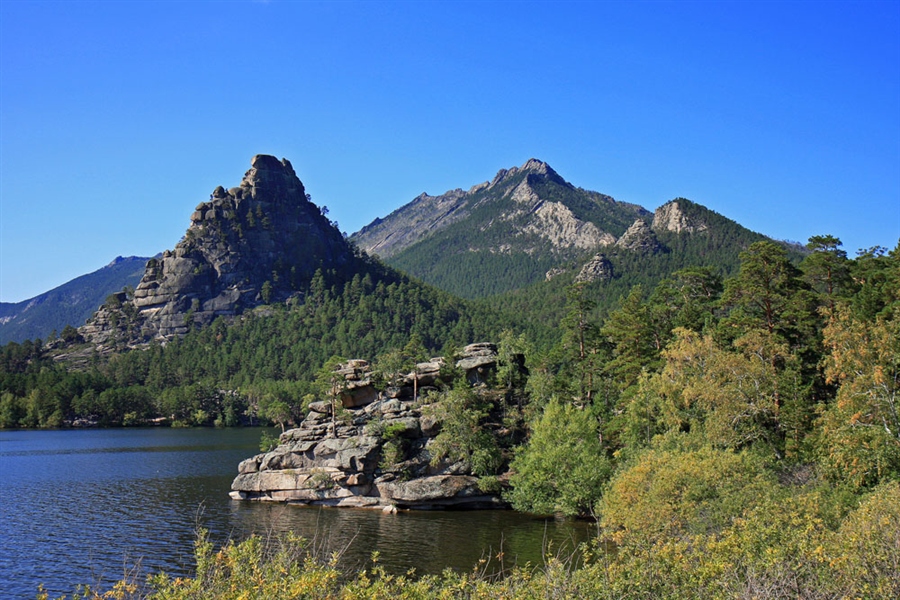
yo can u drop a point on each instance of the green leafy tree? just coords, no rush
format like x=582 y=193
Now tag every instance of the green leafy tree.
x=562 y=468
x=768 y=293
x=636 y=343
x=671 y=492
x=465 y=436
x=687 y=299
x=769 y=296
x=581 y=343
x=877 y=273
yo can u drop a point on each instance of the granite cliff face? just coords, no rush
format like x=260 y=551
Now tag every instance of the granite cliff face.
x=255 y=243
x=671 y=217
x=371 y=449
x=639 y=238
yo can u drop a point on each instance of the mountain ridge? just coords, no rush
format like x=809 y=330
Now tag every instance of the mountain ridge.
x=553 y=220
x=70 y=303
x=527 y=224
x=530 y=225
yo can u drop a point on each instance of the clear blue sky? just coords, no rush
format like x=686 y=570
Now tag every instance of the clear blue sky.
x=117 y=118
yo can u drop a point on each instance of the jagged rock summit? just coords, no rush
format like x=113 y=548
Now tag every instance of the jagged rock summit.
x=500 y=235
x=672 y=217
x=259 y=242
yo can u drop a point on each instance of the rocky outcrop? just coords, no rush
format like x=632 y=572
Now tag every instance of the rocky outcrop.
x=256 y=243
x=671 y=217
x=373 y=450
x=639 y=238
x=597 y=269
x=556 y=223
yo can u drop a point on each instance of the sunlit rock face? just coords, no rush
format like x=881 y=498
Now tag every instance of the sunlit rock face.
x=531 y=215
x=671 y=217
x=639 y=238
x=256 y=243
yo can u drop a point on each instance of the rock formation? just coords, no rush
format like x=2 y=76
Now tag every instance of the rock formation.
x=342 y=457
x=256 y=243
x=597 y=269
x=540 y=204
x=639 y=238
x=671 y=217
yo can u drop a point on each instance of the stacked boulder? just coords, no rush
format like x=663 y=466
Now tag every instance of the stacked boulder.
x=339 y=455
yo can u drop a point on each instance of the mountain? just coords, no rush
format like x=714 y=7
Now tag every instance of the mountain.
x=253 y=244
x=69 y=304
x=529 y=224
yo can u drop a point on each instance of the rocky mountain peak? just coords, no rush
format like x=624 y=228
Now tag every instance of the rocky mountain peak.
x=259 y=242
x=537 y=166
x=639 y=237
x=532 y=166
x=671 y=217
x=272 y=179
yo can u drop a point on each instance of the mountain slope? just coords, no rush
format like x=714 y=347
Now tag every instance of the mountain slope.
x=498 y=235
x=69 y=304
x=253 y=244
x=682 y=234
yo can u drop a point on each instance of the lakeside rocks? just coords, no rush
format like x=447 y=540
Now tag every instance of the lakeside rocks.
x=373 y=451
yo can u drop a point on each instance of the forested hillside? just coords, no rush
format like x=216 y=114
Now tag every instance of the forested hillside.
x=212 y=373
x=716 y=247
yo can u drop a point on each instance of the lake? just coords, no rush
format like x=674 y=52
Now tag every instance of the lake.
x=87 y=506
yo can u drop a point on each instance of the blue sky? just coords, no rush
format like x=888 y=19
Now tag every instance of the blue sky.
x=117 y=118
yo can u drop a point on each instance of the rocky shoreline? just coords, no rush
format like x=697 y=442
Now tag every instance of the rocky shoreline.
x=371 y=449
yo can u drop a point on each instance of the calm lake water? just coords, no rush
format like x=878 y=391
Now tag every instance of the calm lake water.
x=84 y=506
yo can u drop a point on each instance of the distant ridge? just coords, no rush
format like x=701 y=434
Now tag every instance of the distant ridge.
x=69 y=304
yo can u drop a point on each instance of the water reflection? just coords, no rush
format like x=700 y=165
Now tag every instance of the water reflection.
x=85 y=506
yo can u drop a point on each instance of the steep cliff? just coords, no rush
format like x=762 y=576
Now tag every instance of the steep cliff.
x=256 y=243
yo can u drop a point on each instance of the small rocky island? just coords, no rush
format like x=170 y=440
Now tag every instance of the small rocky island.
x=374 y=449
